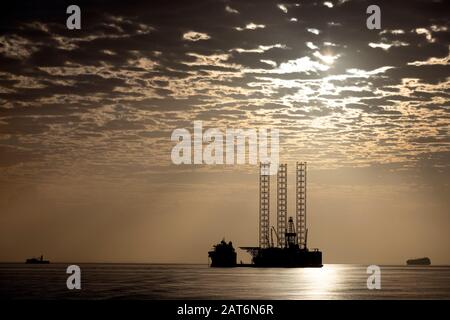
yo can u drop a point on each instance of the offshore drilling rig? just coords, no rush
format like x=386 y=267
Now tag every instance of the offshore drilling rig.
x=285 y=246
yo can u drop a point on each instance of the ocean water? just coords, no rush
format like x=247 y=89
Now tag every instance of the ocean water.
x=176 y=281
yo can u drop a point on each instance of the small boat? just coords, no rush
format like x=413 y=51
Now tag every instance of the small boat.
x=37 y=261
x=419 y=262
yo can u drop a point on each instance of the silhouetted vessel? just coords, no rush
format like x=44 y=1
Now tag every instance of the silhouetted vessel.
x=419 y=262
x=37 y=261
x=223 y=255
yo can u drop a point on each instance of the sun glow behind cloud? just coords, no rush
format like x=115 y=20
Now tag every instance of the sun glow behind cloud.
x=302 y=65
x=327 y=58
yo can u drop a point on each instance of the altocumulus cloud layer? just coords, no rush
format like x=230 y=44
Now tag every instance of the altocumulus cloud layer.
x=102 y=101
x=131 y=75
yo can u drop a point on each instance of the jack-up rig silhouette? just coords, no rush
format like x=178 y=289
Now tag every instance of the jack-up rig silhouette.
x=290 y=248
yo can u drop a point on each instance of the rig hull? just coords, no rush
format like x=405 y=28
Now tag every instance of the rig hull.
x=287 y=258
x=292 y=257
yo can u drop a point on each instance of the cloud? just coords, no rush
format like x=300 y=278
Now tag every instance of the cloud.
x=195 y=36
x=329 y=59
x=269 y=62
x=395 y=31
x=364 y=73
x=432 y=61
x=17 y=47
x=251 y=26
x=313 y=30
x=311 y=45
x=387 y=46
x=427 y=34
x=231 y=10
x=302 y=65
x=436 y=28
x=260 y=48
x=283 y=8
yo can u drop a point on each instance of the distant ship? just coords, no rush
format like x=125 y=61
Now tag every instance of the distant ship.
x=419 y=262
x=37 y=261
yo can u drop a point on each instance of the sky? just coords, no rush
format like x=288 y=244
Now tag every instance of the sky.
x=86 y=118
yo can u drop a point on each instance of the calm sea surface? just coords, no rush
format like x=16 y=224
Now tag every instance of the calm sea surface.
x=157 y=281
